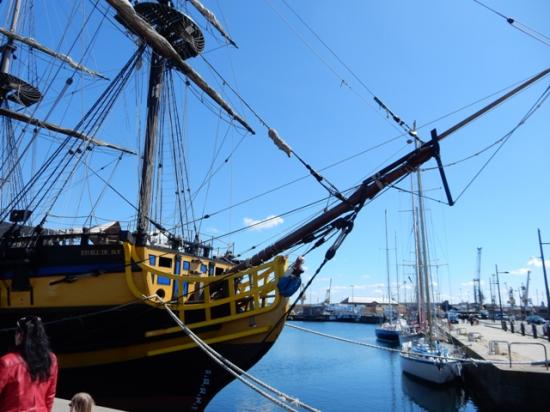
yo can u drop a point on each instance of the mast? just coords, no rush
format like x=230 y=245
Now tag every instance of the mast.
x=173 y=38
x=388 y=266
x=8 y=48
x=418 y=262
x=156 y=76
x=396 y=270
x=425 y=271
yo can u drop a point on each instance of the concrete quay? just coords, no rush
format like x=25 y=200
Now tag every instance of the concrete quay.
x=526 y=383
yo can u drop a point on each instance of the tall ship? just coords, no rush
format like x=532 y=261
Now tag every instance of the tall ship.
x=106 y=278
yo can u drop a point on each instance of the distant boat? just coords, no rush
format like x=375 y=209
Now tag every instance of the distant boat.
x=391 y=332
x=426 y=358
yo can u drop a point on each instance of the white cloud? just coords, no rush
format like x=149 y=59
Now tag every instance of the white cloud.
x=532 y=264
x=537 y=262
x=267 y=223
x=376 y=285
x=519 y=272
x=337 y=287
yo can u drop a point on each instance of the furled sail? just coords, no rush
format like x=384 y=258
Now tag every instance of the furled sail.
x=69 y=132
x=280 y=143
x=161 y=46
x=208 y=15
x=60 y=56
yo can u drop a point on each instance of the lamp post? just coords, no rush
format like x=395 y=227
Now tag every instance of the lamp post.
x=498 y=286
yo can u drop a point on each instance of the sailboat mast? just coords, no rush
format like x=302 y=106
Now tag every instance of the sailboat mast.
x=156 y=76
x=424 y=252
x=418 y=261
x=388 y=265
x=8 y=48
x=396 y=269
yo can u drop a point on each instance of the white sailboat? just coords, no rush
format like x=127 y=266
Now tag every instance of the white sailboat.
x=426 y=358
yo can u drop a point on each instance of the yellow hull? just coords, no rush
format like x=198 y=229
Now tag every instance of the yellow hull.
x=114 y=322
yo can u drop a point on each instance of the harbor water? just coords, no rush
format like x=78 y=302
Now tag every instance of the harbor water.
x=331 y=375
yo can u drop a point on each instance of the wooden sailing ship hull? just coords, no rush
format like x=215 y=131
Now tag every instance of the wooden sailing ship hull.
x=126 y=350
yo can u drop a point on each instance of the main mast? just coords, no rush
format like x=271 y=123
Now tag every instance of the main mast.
x=173 y=37
x=186 y=38
x=156 y=76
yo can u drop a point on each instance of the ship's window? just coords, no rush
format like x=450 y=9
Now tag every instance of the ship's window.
x=162 y=280
x=210 y=268
x=203 y=268
x=152 y=260
x=177 y=267
x=165 y=262
x=219 y=271
x=186 y=265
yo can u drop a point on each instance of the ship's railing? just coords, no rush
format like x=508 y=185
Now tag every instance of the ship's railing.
x=203 y=300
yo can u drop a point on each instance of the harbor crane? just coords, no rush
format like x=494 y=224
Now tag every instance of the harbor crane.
x=478 y=295
x=327 y=294
x=525 y=293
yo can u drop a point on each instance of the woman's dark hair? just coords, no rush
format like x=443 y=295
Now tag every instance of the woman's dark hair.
x=35 y=347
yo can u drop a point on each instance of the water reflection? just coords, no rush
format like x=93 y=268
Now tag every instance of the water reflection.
x=336 y=376
x=448 y=398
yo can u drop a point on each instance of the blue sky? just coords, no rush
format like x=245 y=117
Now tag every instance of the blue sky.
x=425 y=60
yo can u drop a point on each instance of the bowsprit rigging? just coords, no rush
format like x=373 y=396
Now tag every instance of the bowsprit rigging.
x=88 y=283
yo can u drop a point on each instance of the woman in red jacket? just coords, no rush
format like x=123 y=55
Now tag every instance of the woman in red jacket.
x=28 y=375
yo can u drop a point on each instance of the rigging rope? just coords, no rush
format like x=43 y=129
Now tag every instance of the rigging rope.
x=519 y=26
x=237 y=372
x=345 y=225
x=503 y=140
x=331 y=188
x=401 y=351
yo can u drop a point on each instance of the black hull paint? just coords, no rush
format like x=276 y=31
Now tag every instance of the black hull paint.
x=179 y=381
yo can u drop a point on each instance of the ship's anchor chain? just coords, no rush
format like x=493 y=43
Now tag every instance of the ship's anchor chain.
x=283 y=400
